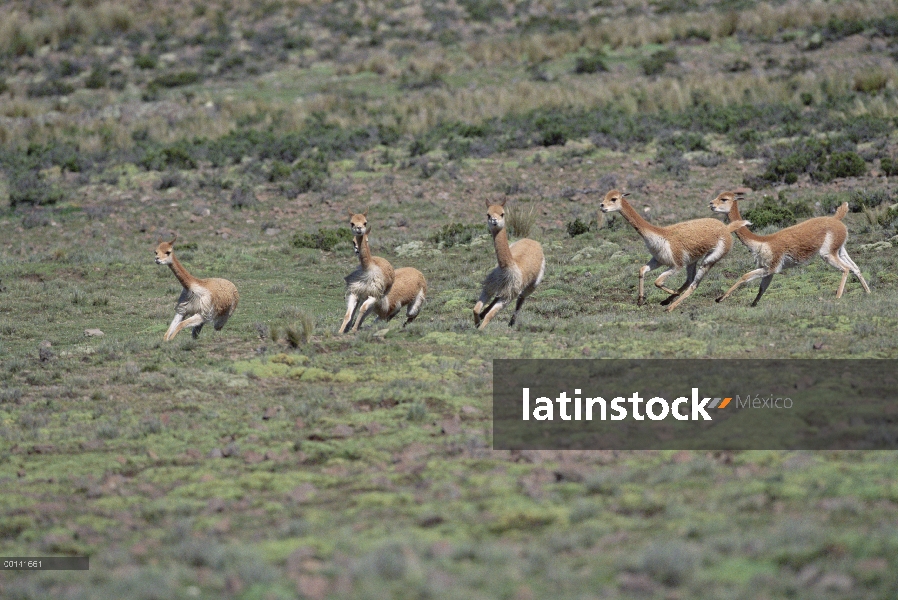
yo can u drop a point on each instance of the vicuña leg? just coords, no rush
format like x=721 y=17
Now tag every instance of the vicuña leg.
x=170 y=333
x=494 y=307
x=364 y=309
x=744 y=279
x=519 y=304
x=351 y=301
x=700 y=273
x=765 y=282
x=650 y=266
x=192 y=321
x=659 y=283
x=479 y=307
x=833 y=260
x=413 y=309
x=843 y=254
x=197 y=329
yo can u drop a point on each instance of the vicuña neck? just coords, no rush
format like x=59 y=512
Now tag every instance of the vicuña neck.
x=635 y=219
x=503 y=251
x=743 y=233
x=181 y=273
x=364 y=250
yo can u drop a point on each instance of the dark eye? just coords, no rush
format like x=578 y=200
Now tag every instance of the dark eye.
x=168 y=252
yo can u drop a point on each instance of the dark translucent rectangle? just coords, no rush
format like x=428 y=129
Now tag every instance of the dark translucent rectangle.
x=45 y=563
x=774 y=404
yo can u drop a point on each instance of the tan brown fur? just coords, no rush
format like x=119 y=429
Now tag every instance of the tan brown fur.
x=521 y=268
x=791 y=246
x=371 y=280
x=696 y=245
x=409 y=290
x=202 y=301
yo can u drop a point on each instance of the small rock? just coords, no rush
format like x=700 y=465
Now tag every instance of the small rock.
x=818 y=346
x=303 y=492
x=253 y=458
x=343 y=431
x=836 y=582
x=271 y=412
x=216 y=453
x=45 y=354
x=93 y=333
x=231 y=449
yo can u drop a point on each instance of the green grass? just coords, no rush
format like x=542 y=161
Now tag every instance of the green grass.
x=276 y=458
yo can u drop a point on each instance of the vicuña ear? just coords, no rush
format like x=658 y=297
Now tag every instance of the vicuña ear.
x=350 y=213
x=173 y=240
x=365 y=214
x=504 y=200
x=487 y=202
x=625 y=194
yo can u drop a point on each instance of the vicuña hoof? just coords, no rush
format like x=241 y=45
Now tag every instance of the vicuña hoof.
x=669 y=299
x=640 y=301
x=718 y=298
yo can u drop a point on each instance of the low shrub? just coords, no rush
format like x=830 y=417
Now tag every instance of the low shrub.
x=323 y=239
x=457 y=233
x=658 y=61
x=594 y=63
x=176 y=79
x=779 y=212
x=845 y=164
x=577 y=227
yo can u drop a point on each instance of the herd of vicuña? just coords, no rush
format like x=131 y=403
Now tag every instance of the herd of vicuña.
x=696 y=245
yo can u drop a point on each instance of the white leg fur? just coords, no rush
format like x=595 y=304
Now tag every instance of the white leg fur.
x=171 y=328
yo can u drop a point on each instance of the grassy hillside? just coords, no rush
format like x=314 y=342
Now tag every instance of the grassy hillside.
x=277 y=458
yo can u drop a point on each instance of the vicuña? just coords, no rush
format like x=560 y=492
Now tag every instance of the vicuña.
x=202 y=301
x=521 y=268
x=791 y=246
x=697 y=245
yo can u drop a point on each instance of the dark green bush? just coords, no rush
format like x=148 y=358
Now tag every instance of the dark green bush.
x=861 y=199
x=658 y=61
x=889 y=166
x=577 y=227
x=177 y=156
x=177 y=79
x=323 y=239
x=594 y=63
x=457 y=233
x=845 y=164
x=50 y=87
x=146 y=61
x=30 y=188
x=97 y=78
x=779 y=212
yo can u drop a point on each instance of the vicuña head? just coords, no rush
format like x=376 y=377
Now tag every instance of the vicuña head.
x=358 y=223
x=202 y=301
x=521 y=268
x=164 y=252
x=613 y=201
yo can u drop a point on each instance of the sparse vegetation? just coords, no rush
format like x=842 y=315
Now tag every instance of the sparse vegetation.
x=264 y=460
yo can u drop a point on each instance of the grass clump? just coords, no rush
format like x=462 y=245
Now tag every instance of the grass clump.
x=520 y=219
x=300 y=333
x=323 y=239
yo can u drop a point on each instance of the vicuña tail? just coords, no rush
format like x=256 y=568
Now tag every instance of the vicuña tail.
x=737 y=225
